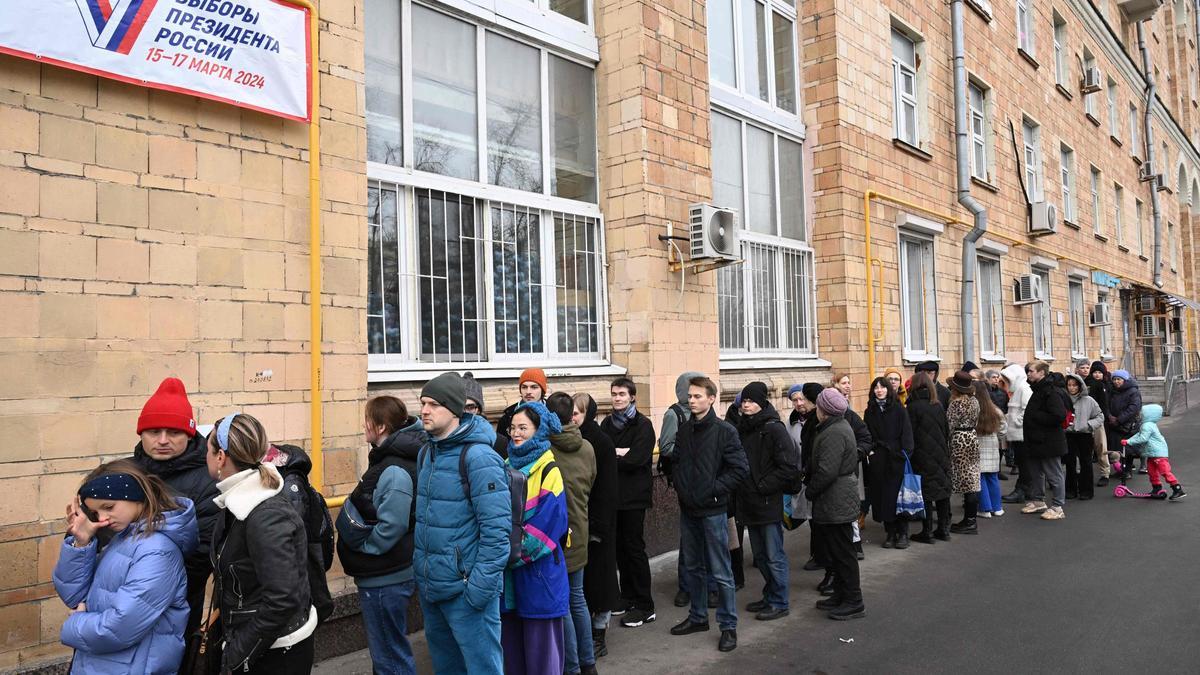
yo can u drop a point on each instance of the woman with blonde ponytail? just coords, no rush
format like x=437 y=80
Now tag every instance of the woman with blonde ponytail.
x=259 y=557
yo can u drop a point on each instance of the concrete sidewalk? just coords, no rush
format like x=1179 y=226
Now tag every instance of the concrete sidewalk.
x=1111 y=588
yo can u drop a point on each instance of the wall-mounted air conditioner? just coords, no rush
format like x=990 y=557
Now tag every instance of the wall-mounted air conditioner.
x=1148 y=327
x=1100 y=315
x=1043 y=218
x=1090 y=83
x=713 y=233
x=1027 y=290
x=1145 y=172
x=1147 y=303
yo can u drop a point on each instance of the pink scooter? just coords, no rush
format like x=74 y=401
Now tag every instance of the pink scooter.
x=1125 y=491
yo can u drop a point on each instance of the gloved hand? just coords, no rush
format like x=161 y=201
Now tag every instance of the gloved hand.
x=1124 y=441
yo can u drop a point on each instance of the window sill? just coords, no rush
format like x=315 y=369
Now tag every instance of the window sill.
x=761 y=362
x=1116 y=140
x=985 y=185
x=1143 y=257
x=1108 y=358
x=1100 y=236
x=1065 y=92
x=993 y=358
x=1092 y=118
x=984 y=12
x=1123 y=247
x=1029 y=57
x=1076 y=356
x=913 y=358
x=1070 y=224
x=912 y=149
x=420 y=372
x=1042 y=356
x=1135 y=159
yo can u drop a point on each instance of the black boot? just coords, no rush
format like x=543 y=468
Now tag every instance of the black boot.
x=1177 y=492
x=943 y=520
x=890 y=540
x=901 y=534
x=826 y=585
x=969 y=524
x=858 y=552
x=598 y=644
x=925 y=536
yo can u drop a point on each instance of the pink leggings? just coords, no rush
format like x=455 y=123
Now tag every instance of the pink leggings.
x=1159 y=468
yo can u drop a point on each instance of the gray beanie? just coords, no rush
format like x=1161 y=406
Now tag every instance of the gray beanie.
x=449 y=390
x=474 y=390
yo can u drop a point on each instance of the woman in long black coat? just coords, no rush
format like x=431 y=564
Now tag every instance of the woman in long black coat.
x=931 y=456
x=600 y=587
x=891 y=438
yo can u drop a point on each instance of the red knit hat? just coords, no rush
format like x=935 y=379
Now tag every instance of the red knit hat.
x=536 y=376
x=168 y=408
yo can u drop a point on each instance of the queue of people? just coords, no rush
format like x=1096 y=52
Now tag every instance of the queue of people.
x=521 y=543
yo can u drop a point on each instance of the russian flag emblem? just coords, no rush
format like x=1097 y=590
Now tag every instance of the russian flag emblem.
x=114 y=25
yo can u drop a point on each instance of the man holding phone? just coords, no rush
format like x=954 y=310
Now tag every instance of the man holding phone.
x=632 y=435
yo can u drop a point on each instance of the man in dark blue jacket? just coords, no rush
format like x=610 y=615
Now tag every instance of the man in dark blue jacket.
x=709 y=463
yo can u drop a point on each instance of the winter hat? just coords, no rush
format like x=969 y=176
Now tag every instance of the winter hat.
x=962 y=382
x=969 y=366
x=449 y=390
x=168 y=408
x=474 y=390
x=927 y=366
x=831 y=402
x=1098 y=366
x=812 y=390
x=757 y=392
x=534 y=375
x=793 y=389
x=1123 y=374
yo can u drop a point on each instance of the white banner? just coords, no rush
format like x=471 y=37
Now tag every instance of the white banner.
x=250 y=53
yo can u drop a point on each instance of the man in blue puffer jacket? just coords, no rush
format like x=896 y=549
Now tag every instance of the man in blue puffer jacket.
x=461 y=546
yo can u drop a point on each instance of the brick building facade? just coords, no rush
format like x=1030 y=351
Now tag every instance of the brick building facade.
x=496 y=177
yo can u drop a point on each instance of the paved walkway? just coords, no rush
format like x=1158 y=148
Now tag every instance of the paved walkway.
x=1112 y=588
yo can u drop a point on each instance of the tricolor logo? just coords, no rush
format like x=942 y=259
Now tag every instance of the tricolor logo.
x=114 y=24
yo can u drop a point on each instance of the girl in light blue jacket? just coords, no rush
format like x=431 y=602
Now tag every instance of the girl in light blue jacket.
x=1153 y=446
x=130 y=594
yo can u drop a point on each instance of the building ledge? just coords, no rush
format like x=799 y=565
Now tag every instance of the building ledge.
x=1092 y=118
x=985 y=185
x=1123 y=247
x=1143 y=257
x=912 y=149
x=1029 y=58
x=982 y=8
x=420 y=372
x=772 y=363
x=1116 y=140
x=1065 y=92
x=1071 y=224
x=1099 y=236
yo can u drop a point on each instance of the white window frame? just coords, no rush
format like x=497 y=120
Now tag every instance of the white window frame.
x=1102 y=295
x=1024 y=18
x=739 y=99
x=980 y=128
x=996 y=309
x=781 y=245
x=1042 y=320
x=1172 y=244
x=1097 y=181
x=1089 y=100
x=1134 y=148
x=1077 y=311
x=1118 y=220
x=899 y=97
x=1139 y=213
x=1114 y=116
x=930 y=318
x=1066 y=158
x=407 y=364
x=1062 y=69
x=1032 y=159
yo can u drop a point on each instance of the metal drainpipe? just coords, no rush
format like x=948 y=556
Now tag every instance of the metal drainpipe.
x=1148 y=73
x=962 y=146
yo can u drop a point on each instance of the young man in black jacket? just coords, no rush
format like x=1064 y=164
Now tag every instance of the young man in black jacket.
x=632 y=435
x=709 y=465
x=1045 y=443
x=773 y=464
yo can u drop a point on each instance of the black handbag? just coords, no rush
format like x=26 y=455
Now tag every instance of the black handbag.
x=202 y=655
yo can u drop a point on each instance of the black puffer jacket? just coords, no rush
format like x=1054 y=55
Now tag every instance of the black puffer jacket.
x=1125 y=404
x=931 y=446
x=187 y=476
x=1044 y=417
x=600 y=586
x=709 y=465
x=261 y=580
x=773 y=463
x=999 y=398
x=634 y=477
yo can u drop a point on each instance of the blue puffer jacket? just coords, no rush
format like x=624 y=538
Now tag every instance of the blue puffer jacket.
x=460 y=546
x=136 y=595
x=1149 y=438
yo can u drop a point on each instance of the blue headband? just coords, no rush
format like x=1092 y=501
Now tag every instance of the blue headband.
x=113 y=486
x=223 y=432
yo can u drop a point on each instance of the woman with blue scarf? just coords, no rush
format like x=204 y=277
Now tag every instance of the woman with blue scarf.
x=535 y=586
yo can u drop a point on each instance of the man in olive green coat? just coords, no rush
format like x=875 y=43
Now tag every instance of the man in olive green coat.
x=576 y=461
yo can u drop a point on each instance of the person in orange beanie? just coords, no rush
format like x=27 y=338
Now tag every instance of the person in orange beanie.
x=532 y=387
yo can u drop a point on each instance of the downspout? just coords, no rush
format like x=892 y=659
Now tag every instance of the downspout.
x=1148 y=73
x=962 y=146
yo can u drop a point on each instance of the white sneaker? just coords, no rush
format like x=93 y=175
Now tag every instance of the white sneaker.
x=1034 y=507
x=998 y=513
x=1054 y=513
x=985 y=514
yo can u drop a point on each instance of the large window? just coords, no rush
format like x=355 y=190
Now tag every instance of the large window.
x=980 y=100
x=918 y=297
x=1062 y=69
x=752 y=50
x=991 y=309
x=1114 y=117
x=1089 y=100
x=485 y=244
x=766 y=303
x=904 y=85
x=1134 y=143
x=1097 y=205
x=1032 y=135
x=1067 y=175
x=1118 y=207
x=1025 y=26
x=1043 y=327
x=1138 y=222
x=1078 y=318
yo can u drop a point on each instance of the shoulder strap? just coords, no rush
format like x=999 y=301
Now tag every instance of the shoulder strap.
x=464 y=474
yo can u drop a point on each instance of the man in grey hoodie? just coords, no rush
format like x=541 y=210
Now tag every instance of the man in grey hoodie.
x=673 y=418
x=1080 y=436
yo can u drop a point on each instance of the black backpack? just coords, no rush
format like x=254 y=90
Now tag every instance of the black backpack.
x=318 y=525
x=797 y=482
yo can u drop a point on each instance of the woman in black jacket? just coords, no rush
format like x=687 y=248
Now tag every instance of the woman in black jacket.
x=931 y=456
x=260 y=556
x=1099 y=387
x=1121 y=421
x=892 y=438
x=600 y=587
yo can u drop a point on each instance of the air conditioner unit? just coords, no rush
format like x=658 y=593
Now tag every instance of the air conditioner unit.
x=1147 y=303
x=1027 y=290
x=1139 y=10
x=1100 y=315
x=1145 y=172
x=713 y=232
x=1148 y=328
x=1090 y=83
x=1043 y=218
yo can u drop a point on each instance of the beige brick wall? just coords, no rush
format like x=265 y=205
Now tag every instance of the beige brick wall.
x=146 y=234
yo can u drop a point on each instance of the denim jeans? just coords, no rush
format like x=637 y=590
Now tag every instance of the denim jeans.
x=771 y=561
x=707 y=538
x=385 y=616
x=458 y=635
x=577 y=628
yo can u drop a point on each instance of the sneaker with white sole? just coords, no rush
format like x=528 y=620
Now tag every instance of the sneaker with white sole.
x=985 y=514
x=637 y=617
x=1034 y=507
x=998 y=513
x=1054 y=513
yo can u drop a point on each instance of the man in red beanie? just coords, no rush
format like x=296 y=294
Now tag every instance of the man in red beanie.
x=532 y=386
x=172 y=449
